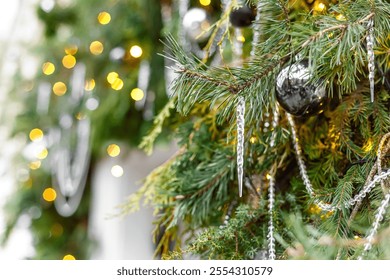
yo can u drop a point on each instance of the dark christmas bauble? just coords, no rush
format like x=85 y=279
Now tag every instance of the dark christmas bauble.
x=294 y=92
x=242 y=17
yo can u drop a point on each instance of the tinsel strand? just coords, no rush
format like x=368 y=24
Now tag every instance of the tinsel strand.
x=374 y=229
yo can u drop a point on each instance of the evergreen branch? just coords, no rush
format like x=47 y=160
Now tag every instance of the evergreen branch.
x=148 y=140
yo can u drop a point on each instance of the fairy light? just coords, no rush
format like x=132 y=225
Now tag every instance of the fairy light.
x=89 y=85
x=69 y=257
x=59 y=88
x=57 y=230
x=112 y=76
x=104 y=18
x=241 y=38
x=137 y=94
x=205 y=2
x=319 y=7
x=341 y=17
x=42 y=153
x=71 y=50
x=117 y=171
x=136 y=51
x=36 y=135
x=117 y=84
x=49 y=194
x=113 y=150
x=34 y=165
x=48 y=68
x=69 y=61
x=96 y=47
x=253 y=139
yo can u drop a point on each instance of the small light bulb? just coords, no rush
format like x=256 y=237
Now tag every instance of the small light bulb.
x=135 y=51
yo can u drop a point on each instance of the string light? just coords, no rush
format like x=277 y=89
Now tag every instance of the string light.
x=104 y=18
x=59 y=88
x=113 y=150
x=48 y=68
x=71 y=50
x=69 y=61
x=49 y=194
x=69 y=257
x=117 y=84
x=205 y=2
x=112 y=76
x=137 y=94
x=341 y=17
x=57 y=230
x=319 y=7
x=135 y=51
x=36 y=135
x=42 y=153
x=241 y=38
x=96 y=47
x=89 y=85
x=117 y=171
x=34 y=165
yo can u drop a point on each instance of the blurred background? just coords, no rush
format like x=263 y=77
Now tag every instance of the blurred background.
x=80 y=84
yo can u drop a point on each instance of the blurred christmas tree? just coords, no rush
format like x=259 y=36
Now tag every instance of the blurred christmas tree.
x=314 y=172
x=96 y=91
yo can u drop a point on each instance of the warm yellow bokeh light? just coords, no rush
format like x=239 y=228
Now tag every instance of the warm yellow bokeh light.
x=117 y=171
x=253 y=139
x=113 y=150
x=137 y=94
x=241 y=39
x=205 y=2
x=36 y=135
x=135 y=51
x=48 y=68
x=69 y=61
x=96 y=47
x=59 y=88
x=49 y=194
x=69 y=257
x=42 y=154
x=34 y=165
x=71 y=50
x=89 y=85
x=57 y=230
x=117 y=84
x=341 y=17
x=104 y=18
x=319 y=7
x=112 y=76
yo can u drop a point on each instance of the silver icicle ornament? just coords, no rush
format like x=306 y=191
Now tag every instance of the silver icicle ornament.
x=296 y=94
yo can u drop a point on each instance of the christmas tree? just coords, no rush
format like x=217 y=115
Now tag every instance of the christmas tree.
x=282 y=119
x=280 y=110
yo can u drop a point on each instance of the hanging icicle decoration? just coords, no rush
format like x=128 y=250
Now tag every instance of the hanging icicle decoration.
x=370 y=56
x=271 y=192
x=240 y=141
x=240 y=117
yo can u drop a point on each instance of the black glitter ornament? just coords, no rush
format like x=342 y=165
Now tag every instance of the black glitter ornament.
x=294 y=92
x=242 y=17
